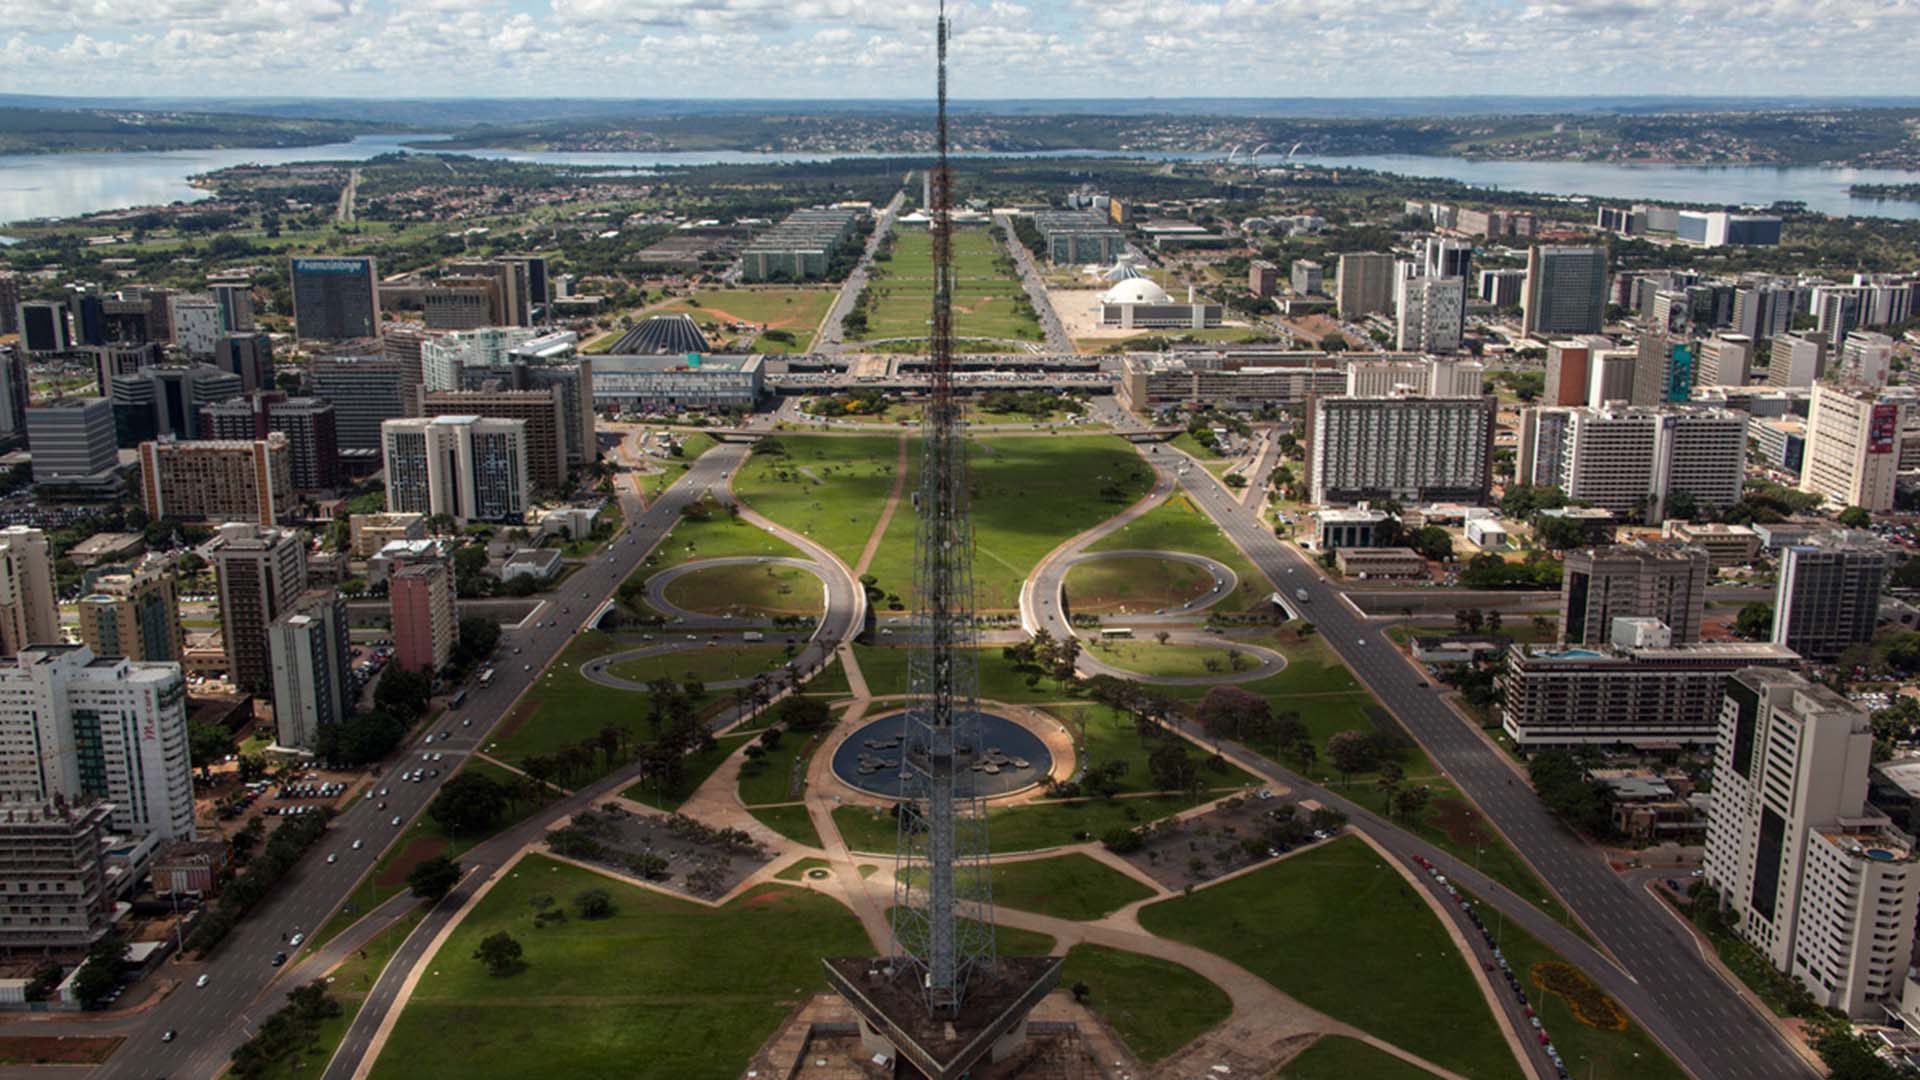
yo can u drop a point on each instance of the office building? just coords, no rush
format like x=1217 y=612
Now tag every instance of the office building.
x=1446 y=258
x=1853 y=440
x=1363 y=284
x=1412 y=449
x=1827 y=598
x=1637 y=689
x=1309 y=278
x=16 y=392
x=425 y=627
x=249 y=356
x=1667 y=582
x=218 y=479
x=313 y=446
x=1502 y=288
x=1139 y=303
x=1796 y=359
x=1813 y=877
x=1718 y=228
x=545 y=425
x=1726 y=545
x=1780 y=443
x=366 y=391
x=1724 y=360
x=53 y=876
x=468 y=467
x=235 y=301
x=78 y=727
x=28 y=614
x=335 y=298
x=1541 y=457
x=307 y=645
x=1432 y=377
x=134 y=612
x=1430 y=313
x=167 y=401
x=1762 y=312
x=260 y=571
x=1662 y=370
x=197 y=326
x=9 y=302
x=674 y=384
x=114 y=364
x=1569 y=363
x=72 y=442
x=444 y=357
x=1866 y=357
x=1075 y=236
x=1263 y=278
x=1565 y=291
x=801 y=247
x=1610 y=376
x=1634 y=462
x=43 y=327
x=536 y=274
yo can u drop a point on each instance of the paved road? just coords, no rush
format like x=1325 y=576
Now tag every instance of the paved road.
x=1058 y=340
x=830 y=337
x=1661 y=977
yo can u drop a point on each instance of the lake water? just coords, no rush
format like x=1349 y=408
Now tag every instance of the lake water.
x=63 y=185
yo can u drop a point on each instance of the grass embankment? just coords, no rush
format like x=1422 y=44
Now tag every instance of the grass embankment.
x=830 y=489
x=1157 y=1006
x=1179 y=525
x=988 y=298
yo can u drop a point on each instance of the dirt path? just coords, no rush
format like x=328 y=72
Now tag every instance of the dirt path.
x=886 y=512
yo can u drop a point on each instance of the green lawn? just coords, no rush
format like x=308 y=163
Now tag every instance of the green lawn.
x=791 y=822
x=1102 y=735
x=1148 y=657
x=1028 y=827
x=798 y=871
x=1333 y=926
x=1134 y=585
x=885 y=668
x=748 y=591
x=769 y=780
x=988 y=299
x=796 y=311
x=1179 y=525
x=1030 y=493
x=1156 y=1006
x=1336 y=1057
x=830 y=681
x=700 y=765
x=707 y=664
x=1071 y=886
x=663 y=989
x=1191 y=445
x=1630 y=1052
x=828 y=488
x=563 y=707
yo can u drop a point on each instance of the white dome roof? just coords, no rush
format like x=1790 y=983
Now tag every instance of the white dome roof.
x=1138 y=290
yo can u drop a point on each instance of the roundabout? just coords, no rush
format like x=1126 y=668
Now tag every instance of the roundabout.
x=1003 y=756
x=1171 y=584
x=709 y=582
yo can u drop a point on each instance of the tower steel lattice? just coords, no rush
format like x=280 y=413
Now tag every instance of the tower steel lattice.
x=943 y=903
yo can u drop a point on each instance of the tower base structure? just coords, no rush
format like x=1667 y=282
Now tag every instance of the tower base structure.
x=895 y=1024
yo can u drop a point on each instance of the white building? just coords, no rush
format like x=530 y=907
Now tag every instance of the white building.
x=471 y=468
x=74 y=726
x=197 y=325
x=28 y=615
x=1138 y=303
x=443 y=356
x=1430 y=311
x=1867 y=357
x=1821 y=883
x=309 y=649
x=1853 y=443
x=1414 y=449
x=1633 y=461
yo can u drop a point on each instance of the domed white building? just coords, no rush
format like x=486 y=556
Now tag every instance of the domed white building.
x=1140 y=303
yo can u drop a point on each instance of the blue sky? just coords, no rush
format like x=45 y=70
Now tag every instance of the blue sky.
x=1003 y=48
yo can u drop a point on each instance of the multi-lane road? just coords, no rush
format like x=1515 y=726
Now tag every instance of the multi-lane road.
x=1660 y=975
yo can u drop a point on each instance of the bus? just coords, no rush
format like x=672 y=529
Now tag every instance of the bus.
x=459 y=698
x=486 y=677
x=1110 y=632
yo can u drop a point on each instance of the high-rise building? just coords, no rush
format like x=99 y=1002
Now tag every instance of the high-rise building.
x=115 y=364
x=444 y=356
x=43 y=327
x=218 y=479
x=1309 y=278
x=250 y=356
x=335 y=299
x=1853 y=443
x=1448 y=258
x=313 y=443
x=16 y=391
x=538 y=277
x=544 y=416
x=1796 y=359
x=1363 y=284
x=72 y=441
x=1762 y=312
x=197 y=325
x=75 y=726
x=1809 y=873
x=366 y=391
x=1263 y=278
x=1502 y=288
x=1566 y=290
x=1662 y=370
x=28 y=614
x=1568 y=365
x=53 y=876
x=1610 y=376
x=235 y=301
x=9 y=302
x=1430 y=312
x=508 y=280
x=1413 y=449
x=1541 y=459
x=134 y=612
x=167 y=401
x=1827 y=598
x=308 y=647
x=1867 y=357
x=425 y=628
x=1660 y=581
x=260 y=571
x=1724 y=360
x=1634 y=462
x=468 y=467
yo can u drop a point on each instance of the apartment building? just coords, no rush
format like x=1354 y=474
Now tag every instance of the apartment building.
x=425 y=626
x=28 y=614
x=134 y=612
x=218 y=479
x=1853 y=441
x=468 y=467
x=1827 y=597
x=1413 y=449
x=260 y=571
x=1667 y=582
x=308 y=649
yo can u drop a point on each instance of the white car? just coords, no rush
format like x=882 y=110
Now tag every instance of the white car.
x=358 y=844
x=296 y=939
x=396 y=821
x=201 y=981
x=333 y=857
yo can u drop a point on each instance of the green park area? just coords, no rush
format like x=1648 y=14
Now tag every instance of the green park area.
x=778 y=774
x=885 y=668
x=1157 y=1006
x=705 y=531
x=744 y=591
x=349 y=983
x=660 y=989
x=1145 y=656
x=1178 y=525
x=829 y=488
x=1072 y=886
x=988 y=299
x=1030 y=493
x=1336 y=1057
x=1331 y=927
x=772 y=320
x=1134 y=585
x=706 y=665
x=791 y=821
x=1029 y=827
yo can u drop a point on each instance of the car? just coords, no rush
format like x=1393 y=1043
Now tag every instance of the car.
x=296 y=939
x=369 y=793
x=468 y=722
x=202 y=980
x=516 y=650
x=383 y=804
x=429 y=741
x=333 y=857
x=528 y=667
x=383 y=793
x=279 y=958
x=168 y=1037
x=358 y=844
x=396 y=821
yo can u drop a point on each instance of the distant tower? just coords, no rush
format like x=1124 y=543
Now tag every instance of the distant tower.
x=943 y=1001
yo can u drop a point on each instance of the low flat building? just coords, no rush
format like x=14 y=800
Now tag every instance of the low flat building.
x=1373 y=562
x=1356 y=527
x=368 y=533
x=801 y=247
x=674 y=383
x=107 y=547
x=1725 y=545
x=540 y=564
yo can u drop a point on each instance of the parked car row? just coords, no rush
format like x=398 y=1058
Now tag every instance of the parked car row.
x=329 y=790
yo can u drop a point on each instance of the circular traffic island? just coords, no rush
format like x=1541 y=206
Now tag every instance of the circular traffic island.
x=1000 y=756
x=740 y=587
x=1185 y=662
x=1145 y=583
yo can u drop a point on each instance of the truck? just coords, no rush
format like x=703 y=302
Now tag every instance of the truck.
x=486 y=677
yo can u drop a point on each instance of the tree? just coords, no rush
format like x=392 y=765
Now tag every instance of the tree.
x=433 y=878
x=208 y=743
x=1410 y=801
x=593 y=904
x=500 y=952
x=468 y=803
x=1755 y=621
x=801 y=713
x=1228 y=712
x=1352 y=751
x=1172 y=768
x=403 y=692
x=100 y=972
x=478 y=637
x=1855 y=517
